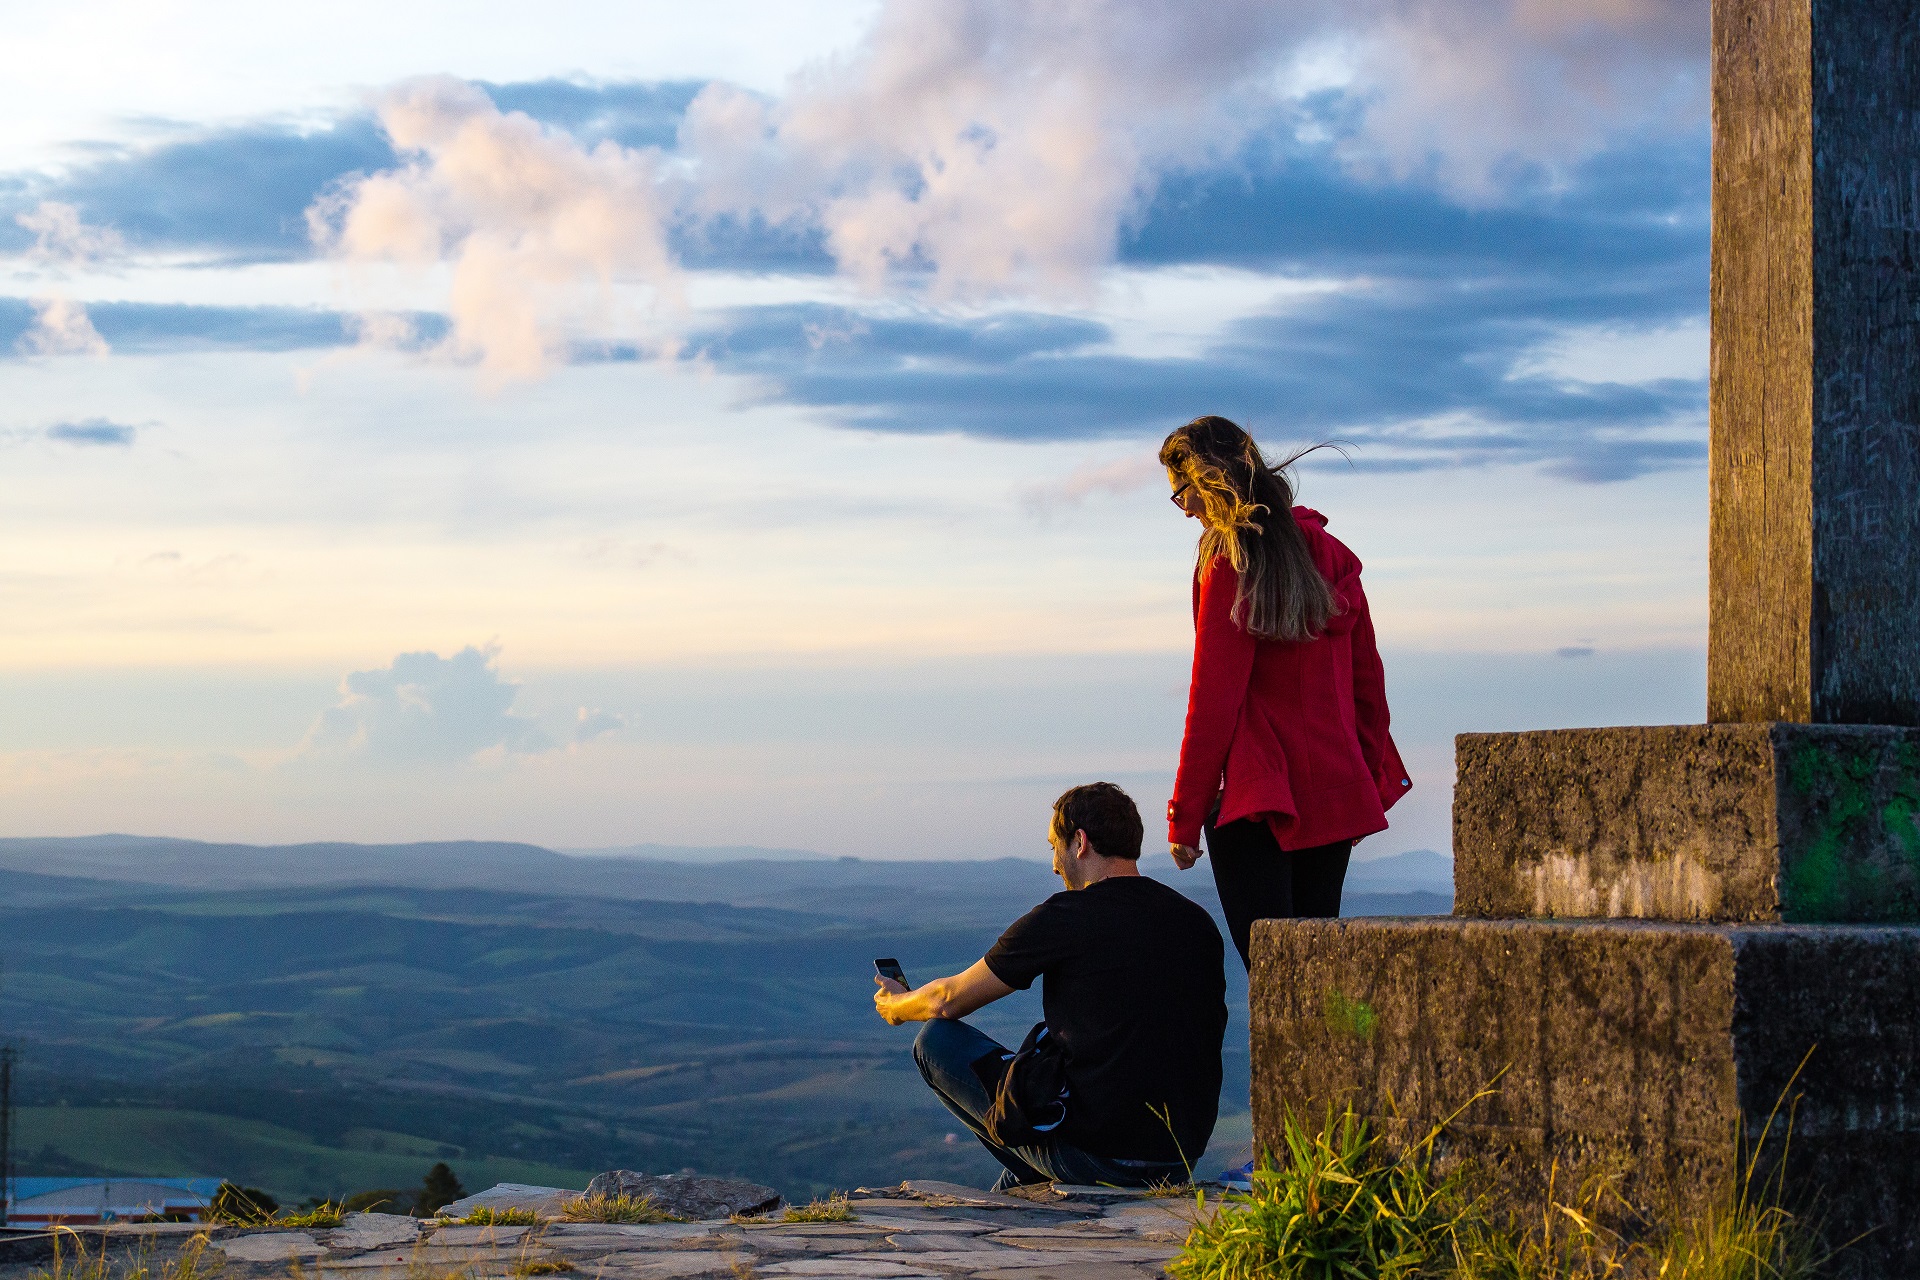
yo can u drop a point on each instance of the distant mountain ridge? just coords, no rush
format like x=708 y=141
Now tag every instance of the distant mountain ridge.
x=698 y=853
x=742 y=874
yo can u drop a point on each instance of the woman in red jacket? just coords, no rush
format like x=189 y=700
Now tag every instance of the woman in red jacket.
x=1287 y=760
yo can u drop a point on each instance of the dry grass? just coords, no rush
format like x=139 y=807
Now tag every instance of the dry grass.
x=73 y=1261
x=832 y=1209
x=621 y=1209
x=548 y=1266
x=1167 y=1190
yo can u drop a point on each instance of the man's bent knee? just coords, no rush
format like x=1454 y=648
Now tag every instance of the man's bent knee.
x=936 y=1035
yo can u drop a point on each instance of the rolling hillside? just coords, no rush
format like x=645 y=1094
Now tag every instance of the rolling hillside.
x=321 y=1038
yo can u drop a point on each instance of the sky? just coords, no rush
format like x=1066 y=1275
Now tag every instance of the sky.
x=595 y=424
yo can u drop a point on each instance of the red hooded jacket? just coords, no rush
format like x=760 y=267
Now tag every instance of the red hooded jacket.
x=1293 y=732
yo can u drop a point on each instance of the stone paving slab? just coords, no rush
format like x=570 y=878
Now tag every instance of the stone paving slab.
x=272 y=1246
x=940 y=1193
x=374 y=1231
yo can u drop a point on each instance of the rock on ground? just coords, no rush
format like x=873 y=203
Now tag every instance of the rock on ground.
x=687 y=1195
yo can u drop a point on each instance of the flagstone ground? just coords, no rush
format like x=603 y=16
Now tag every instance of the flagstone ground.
x=917 y=1231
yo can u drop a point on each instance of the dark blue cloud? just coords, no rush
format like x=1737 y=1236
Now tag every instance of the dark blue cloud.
x=1377 y=368
x=236 y=194
x=1292 y=208
x=93 y=433
x=132 y=328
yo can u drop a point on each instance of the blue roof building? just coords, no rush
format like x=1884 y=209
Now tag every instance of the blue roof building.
x=83 y=1201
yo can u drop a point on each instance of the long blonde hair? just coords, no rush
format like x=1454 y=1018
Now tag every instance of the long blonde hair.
x=1249 y=520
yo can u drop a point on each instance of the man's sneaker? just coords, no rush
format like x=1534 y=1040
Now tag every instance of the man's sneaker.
x=1240 y=1179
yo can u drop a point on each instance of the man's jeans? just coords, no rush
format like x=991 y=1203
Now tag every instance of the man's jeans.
x=946 y=1051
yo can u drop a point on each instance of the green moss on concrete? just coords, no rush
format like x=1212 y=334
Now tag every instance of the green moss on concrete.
x=1859 y=851
x=1346 y=1016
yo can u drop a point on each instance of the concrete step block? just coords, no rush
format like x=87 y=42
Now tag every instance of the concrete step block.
x=1635 y=1047
x=1761 y=822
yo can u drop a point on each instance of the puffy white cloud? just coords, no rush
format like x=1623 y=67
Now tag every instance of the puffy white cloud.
x=999 y=145
x=536 y=227
x=61 y=327
x=60 y=236
x=425 y=708
x=1470 y=92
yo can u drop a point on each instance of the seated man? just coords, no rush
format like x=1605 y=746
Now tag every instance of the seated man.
x=1134 y=994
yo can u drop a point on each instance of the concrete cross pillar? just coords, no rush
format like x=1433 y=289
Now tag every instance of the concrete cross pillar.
x=1814 y=558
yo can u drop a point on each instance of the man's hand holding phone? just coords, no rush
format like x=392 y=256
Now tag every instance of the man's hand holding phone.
x=891 y=980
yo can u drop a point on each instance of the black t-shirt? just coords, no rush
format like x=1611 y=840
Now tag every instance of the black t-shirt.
x=1136 y=992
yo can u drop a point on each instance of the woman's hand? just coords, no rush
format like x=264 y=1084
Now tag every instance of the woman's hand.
x=1184 y=855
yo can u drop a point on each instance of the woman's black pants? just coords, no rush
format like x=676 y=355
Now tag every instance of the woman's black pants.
x=1258 y=880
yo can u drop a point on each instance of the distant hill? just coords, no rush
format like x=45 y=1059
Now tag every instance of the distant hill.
x=698 y=853
x=1415 y=871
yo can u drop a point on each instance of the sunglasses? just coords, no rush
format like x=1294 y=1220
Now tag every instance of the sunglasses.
x=1174 y=497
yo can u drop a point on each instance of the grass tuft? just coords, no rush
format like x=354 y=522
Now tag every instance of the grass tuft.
x=620 y=1208
x=482 y=1216
x=832 y=1209
x=324 y=1214
x=1335 y=1205
x=1168 y=1190
x=1338 y=1203
x=551 y=1266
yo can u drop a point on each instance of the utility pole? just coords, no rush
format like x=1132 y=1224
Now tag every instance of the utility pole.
x=7 y=1056
x=6 y=1131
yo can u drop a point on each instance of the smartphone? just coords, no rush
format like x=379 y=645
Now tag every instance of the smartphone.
x=890 y=968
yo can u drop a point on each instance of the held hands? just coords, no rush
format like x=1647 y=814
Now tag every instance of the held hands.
x=884 y=998
x=1184 y=855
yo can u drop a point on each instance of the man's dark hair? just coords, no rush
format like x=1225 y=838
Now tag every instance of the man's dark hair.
x=1106 y=813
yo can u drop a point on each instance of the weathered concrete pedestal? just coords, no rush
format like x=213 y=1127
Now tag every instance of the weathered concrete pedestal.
x=1764 y=822
x=1641 y=1048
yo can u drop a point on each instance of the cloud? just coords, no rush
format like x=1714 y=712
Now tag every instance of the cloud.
x=239 y=194
x=984 y=149
x=1416 y=372
x=59 y=236
x=537 y=228
x=154 y=327
x=1120 y=476
x=94 y=433
x=1504 y=92
x=998 y=147
x=595 y=723
x=60 y=327
x=60 y=239
x=425 y=708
